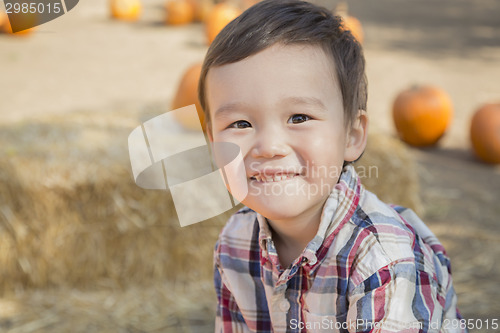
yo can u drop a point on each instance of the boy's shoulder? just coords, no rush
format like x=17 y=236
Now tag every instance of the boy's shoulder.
x=239 y=239
x=390 y=234
x=375 y=214
x=386 y=223
x=241 y=224
x=379 y=217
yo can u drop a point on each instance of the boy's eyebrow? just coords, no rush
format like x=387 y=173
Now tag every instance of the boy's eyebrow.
x=304 y=100
x=227 y=108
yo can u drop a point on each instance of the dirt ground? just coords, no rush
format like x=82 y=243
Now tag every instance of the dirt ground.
x=85 y=61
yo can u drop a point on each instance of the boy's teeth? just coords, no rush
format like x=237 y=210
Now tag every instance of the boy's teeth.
x=275 y=178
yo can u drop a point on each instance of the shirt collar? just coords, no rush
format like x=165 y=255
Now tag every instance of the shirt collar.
x=338 y=209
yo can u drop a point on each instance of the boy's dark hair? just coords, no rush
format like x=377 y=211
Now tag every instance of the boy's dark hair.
x=292 y=22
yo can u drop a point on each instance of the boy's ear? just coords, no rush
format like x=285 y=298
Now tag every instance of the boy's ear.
x=356 y=137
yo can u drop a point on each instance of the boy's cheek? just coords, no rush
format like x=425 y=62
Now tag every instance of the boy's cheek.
x=229 y=160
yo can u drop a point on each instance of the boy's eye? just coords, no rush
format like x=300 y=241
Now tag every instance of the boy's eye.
x=298 y=118
x=240 y=124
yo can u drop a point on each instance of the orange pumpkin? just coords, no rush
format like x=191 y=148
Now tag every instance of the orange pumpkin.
x=179 y=12
x=202 y=9
x=126 y=10
x=350 y=23
x=187 y=94
x=422 y=115
x=485 y=133
x=4 y=22
x=23 y=19
x=219 y=17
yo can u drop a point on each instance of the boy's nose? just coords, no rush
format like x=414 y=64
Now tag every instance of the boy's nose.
x=270 y=143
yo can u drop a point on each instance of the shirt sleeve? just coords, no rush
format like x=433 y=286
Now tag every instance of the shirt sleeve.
x=398 y=298
x=228 y=317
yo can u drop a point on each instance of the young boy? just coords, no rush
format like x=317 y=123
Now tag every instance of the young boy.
x=313 y=250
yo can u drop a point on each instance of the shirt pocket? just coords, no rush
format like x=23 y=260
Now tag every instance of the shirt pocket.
x=324 y=323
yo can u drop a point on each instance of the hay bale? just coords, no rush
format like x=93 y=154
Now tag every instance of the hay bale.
x=72 y=215
x=388 y=169
x=160 y=307
x=13 y=230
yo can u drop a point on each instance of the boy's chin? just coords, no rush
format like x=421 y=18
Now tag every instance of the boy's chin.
x=277 y=208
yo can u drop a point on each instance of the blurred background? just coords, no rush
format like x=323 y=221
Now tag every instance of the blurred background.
x=83 y=249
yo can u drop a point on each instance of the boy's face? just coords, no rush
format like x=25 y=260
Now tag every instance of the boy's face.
x=283 y=108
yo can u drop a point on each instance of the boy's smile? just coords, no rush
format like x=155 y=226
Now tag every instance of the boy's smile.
x=283 y=108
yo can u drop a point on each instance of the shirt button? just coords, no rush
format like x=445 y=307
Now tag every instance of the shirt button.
x=284 y=305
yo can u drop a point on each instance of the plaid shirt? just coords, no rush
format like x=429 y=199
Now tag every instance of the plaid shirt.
x=370 y=268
